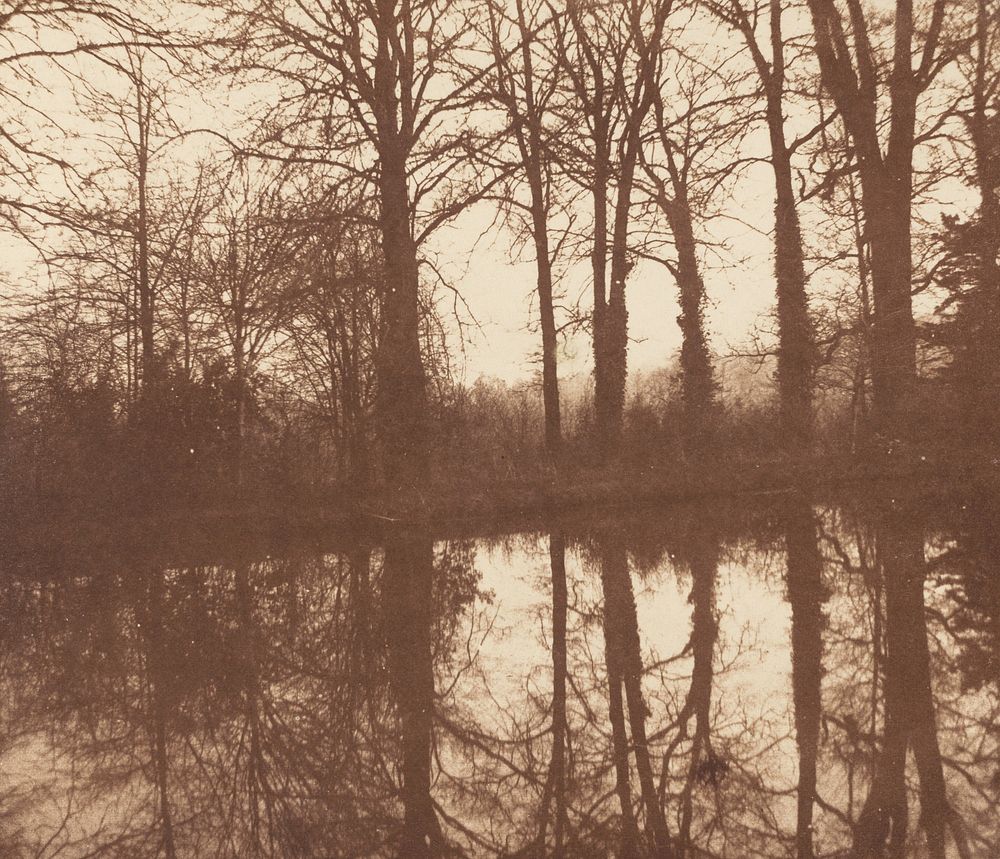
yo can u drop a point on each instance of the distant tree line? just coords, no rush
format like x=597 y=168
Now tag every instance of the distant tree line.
x=226 y=221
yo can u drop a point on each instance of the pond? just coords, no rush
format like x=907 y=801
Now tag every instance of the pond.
x=774 y=677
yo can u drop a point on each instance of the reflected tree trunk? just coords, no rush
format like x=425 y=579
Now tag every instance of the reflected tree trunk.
x=555 y=787
x=806 y=597
x=614 y=657
x=625 y=670
x=156 y=670
x=408 y=574
x=258 y=788
x=909 y=718
x=701 y=553
x=362 y=652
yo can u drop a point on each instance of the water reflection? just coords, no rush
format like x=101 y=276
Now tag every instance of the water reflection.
x=804 y=583
x=804 y=680
x=408 y=620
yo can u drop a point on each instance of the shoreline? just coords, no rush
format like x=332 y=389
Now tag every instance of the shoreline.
x=517 y=506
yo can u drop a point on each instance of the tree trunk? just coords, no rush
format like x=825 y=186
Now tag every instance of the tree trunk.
x=239 y=440
x=402 y=395
x=599 y=264
x=886 y=199
x=149 y=463
x=146 y=309
x=528 y=128
x=697 y=377
x=796 y=344
x=852 y=76
x=550 y=370
x=615 y=335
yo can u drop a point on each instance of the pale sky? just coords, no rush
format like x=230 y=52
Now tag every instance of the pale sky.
x=499 y=291
x=499 y=294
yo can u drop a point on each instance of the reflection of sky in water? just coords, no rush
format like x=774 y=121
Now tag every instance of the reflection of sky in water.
x=318 y=635
x=753 y=628
x=752 y=653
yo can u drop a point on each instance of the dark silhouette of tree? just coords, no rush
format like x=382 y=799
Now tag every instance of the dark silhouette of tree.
x=796 y=346
x=863 y=87
x=680 y=135
x=610 y=62
x=700 y=552
x=375 y=90
x=555 y=783
x=526 y=82
x=970 y=269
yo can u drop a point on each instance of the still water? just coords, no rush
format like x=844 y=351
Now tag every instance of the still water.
x=780 y=678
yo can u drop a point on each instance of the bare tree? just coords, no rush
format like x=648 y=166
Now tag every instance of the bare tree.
x=864 y=88
x=334 y=332
x=796 y=346
x=686 y=135
x=526 y=82
x=610 y=58
x=249 y=276
x=378 y=90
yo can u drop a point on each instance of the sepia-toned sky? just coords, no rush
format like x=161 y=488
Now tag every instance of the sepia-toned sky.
x=499 y=293
x=497 y=313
